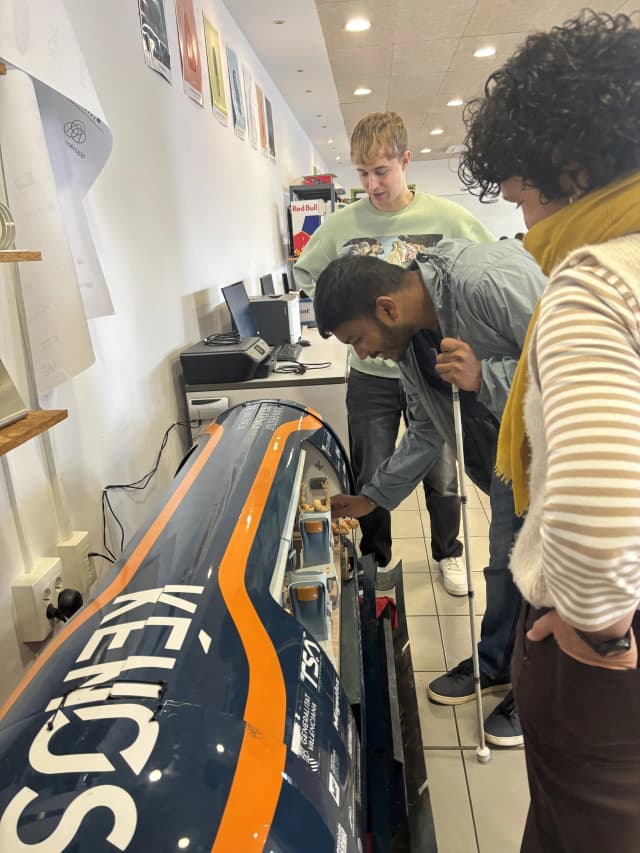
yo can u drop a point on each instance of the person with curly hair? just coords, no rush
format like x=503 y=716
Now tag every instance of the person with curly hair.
x=558 y=132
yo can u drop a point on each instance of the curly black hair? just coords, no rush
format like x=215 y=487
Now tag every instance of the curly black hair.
x=566 y=97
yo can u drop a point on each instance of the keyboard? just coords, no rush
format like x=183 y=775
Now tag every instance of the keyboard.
x=286 y=352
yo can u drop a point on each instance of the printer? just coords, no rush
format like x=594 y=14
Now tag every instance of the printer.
x=277 y=318
x=213 y=363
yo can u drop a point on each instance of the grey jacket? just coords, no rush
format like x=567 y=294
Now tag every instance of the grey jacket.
x=494 y=287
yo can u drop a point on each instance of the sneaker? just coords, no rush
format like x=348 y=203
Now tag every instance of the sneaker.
x=387 y=576
x=454 y=575
x=456 y=686
x=502 y=726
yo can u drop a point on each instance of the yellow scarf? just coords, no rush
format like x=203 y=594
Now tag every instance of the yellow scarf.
x=601 y=215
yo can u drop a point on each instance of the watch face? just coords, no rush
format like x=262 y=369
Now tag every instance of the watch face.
x=608 y=648
x=616 y=647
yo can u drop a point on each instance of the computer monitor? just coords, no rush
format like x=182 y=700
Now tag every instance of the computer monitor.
x=266 y=283
x=239 y=307
x=288 y=282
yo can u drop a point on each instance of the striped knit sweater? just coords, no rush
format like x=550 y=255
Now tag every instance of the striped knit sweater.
x=579 y=548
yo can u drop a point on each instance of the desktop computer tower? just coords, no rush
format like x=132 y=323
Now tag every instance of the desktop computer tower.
x=277 y=319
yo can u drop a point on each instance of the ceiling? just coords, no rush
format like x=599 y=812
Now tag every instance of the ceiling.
x=417 y=55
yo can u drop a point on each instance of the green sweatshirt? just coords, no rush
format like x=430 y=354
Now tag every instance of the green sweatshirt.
x=396 y=236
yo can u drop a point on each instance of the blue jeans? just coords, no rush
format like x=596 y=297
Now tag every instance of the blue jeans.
x=375 y=406
x=500 y=618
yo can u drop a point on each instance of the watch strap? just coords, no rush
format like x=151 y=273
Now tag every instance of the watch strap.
x=607 y=648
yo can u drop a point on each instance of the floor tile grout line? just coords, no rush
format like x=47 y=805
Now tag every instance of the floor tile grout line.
x=473 y=813
x=461 y=751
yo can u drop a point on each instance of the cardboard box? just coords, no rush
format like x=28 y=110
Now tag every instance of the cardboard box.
x=313 y=180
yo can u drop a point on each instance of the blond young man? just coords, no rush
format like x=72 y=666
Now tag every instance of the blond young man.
x=392 y=214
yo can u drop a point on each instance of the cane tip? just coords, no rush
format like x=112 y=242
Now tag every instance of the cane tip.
x=483 y=754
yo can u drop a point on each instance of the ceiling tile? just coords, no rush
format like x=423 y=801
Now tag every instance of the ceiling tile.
x=479 y=69
x=432 y=21
x=461 y=84
x=523 y=16
x=379 y=91
x=361 y=64
x=382 y=14
x=423 y=84
x=412 y=109
x=354 y=112
x=628 y=7
x=436 y=55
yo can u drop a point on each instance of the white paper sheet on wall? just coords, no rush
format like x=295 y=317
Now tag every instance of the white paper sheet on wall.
x=55 y=141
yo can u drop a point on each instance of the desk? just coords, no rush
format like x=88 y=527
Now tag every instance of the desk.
x=322 y=389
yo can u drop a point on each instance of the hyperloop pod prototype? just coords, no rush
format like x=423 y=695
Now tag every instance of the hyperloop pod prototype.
x=186 y=707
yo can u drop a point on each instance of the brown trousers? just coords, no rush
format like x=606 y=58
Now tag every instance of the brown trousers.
x=581 y=728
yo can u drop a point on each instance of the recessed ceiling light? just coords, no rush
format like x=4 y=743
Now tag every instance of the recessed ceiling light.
x=300 y=70
x=437 y=131
x=425 y=151
x=308 y=91
x=338 y=157
x=329 y=141
x=279 y=21
x=455 y=102
x=362 y=90
x=483 y=52
x=358 y=25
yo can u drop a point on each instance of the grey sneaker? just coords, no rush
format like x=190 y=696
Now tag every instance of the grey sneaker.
x=456 y=686
x=387 y=576
x=502 y=726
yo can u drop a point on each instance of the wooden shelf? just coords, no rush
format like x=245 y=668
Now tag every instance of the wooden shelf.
x=14 y=256
x=33 y=424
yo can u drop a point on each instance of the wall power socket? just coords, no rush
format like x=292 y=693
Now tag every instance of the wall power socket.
x=32 y=592
x=77 y=569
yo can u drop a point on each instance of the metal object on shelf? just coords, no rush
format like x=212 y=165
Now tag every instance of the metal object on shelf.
x=7 y=228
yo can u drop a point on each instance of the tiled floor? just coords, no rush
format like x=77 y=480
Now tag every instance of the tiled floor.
x=478 y=808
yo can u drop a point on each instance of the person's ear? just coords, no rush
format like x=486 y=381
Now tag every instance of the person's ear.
x=386 y=310
x=574 y=180
x=404 y=160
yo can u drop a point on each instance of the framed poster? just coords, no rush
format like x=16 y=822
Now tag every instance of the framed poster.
x=262 y=121
x=216 y=73
x=189 y=50
x=154 y=37
x=237 y=98
x=250 y=103
x=270 y=135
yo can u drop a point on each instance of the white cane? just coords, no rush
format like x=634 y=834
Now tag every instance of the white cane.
x=449 y=324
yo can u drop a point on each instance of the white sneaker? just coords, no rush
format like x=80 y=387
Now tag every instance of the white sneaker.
x=454 y=575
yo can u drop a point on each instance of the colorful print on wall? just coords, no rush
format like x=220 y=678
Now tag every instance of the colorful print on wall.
x=189 y=50
x=250 y=104
x=216 y=71
x=237 y=98
x=154 y=37
x=270 y=133
x=262 y=121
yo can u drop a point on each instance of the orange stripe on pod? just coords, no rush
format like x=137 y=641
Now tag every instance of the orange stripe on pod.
x=129 y=569
x=250 y=807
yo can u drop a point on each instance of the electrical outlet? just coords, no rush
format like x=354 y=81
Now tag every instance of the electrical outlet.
x=77 y=570
x=32 y=592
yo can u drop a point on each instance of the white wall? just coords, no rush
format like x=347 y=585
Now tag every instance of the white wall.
x=182 y=208
x=439 y=177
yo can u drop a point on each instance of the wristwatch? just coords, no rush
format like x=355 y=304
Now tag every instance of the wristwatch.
x=607 y=648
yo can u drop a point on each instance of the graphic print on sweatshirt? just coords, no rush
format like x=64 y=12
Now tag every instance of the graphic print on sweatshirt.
x=400 y=250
